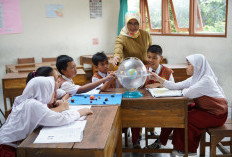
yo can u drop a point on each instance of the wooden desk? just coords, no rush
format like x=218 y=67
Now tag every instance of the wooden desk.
x=14 y=68
x=147 y=111
x=102 y=135
x=179 y=71
x=87 y=59
x=13 y=85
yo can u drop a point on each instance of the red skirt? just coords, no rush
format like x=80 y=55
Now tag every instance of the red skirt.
x=7 y=151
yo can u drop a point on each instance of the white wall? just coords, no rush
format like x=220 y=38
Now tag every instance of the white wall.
x=50 y=37
x=73 y=34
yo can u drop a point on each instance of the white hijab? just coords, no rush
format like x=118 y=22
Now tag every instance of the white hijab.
x=28 y=110
x=204 y=73
x=39 y=88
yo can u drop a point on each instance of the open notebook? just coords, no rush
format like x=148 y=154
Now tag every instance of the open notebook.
x=164 y=92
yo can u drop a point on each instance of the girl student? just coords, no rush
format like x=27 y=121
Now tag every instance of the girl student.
x=210 y=108
x=30 y=111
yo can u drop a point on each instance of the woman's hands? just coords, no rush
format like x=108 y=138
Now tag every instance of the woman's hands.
x=114 y=61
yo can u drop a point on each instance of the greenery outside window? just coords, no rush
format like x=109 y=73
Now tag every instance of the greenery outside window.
x=183 y=17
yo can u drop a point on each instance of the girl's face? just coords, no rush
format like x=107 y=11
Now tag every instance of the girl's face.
x=133 y=26
x=190 y=69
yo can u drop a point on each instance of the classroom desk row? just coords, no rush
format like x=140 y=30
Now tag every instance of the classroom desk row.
x=29 y=67
x=103 y=134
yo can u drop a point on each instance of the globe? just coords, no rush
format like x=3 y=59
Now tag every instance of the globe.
x=132 y=74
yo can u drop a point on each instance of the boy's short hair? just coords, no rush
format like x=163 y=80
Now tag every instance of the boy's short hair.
x=99 y=57
x=155 y=49
x=62 y=62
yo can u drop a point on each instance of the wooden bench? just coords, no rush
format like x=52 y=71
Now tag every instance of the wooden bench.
x=216 y=136
x=26 y=60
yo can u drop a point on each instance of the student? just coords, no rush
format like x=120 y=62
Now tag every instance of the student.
x=100 y=61
x=210 y=108
x=30 y=111
x=154 y=58
x=47 y=71
x=67 y=68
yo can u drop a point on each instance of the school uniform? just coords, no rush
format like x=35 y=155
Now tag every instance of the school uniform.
x=99 y=75
x=210 y=108
x=30 y=111
x=68 y=85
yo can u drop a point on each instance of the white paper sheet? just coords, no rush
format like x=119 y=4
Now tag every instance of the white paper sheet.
x=67 y=133
x=164 y=92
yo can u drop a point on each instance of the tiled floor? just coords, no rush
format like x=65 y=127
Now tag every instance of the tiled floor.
x=169 y=145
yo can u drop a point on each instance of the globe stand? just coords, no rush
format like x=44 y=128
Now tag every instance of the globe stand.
x=132 y=94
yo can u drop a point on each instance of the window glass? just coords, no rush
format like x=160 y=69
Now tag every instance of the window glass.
x=155 y=12
x=213 y=16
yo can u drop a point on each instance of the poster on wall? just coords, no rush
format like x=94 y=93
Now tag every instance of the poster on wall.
x=10 y=17
x=54 y=10
x=95 y=9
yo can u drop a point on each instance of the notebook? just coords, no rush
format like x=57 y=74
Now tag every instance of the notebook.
x=164 y=92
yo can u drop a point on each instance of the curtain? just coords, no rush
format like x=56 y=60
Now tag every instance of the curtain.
x=121 y=17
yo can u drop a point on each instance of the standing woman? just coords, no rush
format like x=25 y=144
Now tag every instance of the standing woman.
x=210 y=108
x=132 y=41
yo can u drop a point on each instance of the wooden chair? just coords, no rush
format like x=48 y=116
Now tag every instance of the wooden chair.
x=48 y=59
x=26 y=60
x=216 y=136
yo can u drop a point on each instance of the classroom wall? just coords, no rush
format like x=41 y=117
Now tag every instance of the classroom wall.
x=73 y=34
x=49 y=37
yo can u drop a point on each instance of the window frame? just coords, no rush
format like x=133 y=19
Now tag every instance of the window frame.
x=194 y=12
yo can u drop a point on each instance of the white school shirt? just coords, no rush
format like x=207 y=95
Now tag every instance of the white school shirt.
x=68 y=86
x=30 y=111
x=202 y=83
x=60 y=93
x=158 y=70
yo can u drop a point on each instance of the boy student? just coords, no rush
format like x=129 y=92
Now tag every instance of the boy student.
x=100 y=61
x=67 y=68
x=154 y=58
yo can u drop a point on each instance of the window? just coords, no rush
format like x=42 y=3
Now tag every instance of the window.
x=183 y=17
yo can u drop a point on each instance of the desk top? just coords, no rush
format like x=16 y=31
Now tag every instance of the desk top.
x=176 y=66
x=95 y=137
x=31 y=67
x=19 y=75
x=146 y=93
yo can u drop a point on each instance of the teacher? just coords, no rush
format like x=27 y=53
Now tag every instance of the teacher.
x=132 y=41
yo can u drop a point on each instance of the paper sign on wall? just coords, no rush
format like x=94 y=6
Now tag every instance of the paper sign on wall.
x=54 y=10
x=95 y=8
x=10 y=17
